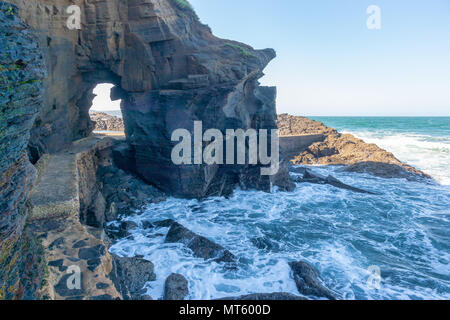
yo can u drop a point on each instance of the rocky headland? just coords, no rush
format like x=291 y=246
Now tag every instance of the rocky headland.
x=106 y=122
x=330 y=147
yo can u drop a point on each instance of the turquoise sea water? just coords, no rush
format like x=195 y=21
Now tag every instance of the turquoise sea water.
x=423 y=142
x=404 y=231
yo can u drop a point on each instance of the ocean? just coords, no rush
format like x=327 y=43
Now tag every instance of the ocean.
x=114 y=113
x=423 y=142
x=403 y=232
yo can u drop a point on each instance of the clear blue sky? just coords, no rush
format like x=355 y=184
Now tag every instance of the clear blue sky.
x=330 y=63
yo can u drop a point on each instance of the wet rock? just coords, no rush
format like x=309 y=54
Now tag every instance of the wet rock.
x=164 y=223
x=338 y=184
x=111 y=213
x=200 y=246
x=129 y=276
x=147 y=225
x=123 y=193
x=297 y=169
x=265 y=243
x=266 y=296
x=308 y=281
x=176 y=287
x=122 y=231
x=126 y=226
x=283 y=179
x=310 y=177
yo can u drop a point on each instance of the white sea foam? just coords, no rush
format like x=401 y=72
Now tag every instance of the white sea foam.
x=404 y=231
x=429 y=154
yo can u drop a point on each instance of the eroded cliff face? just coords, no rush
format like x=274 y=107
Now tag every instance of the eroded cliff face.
x=21 y=73
x=169 y=71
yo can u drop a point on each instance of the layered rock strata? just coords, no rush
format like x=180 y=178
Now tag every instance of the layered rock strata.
x=21 y=72
x=168 y=69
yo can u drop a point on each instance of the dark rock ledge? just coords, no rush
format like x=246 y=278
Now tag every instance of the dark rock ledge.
x=310 y=177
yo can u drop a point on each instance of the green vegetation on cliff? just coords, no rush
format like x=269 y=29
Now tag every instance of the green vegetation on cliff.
x=183 y=4
x=243 y=50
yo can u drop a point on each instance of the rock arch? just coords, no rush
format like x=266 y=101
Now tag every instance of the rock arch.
x=169 y=70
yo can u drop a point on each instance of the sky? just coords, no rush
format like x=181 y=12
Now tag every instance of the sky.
x=330 y=64
x=102 y=102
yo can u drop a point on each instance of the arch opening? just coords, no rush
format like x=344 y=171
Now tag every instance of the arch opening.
x=106 y=113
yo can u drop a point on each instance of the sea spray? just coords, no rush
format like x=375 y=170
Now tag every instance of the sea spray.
x=403 y=231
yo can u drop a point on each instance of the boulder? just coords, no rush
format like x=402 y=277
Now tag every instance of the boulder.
x=200 y=246
x=265 y=243
x=123 y=193
x=130 y=275
x=308 y=281
x=120 y=231
x=176 y=287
